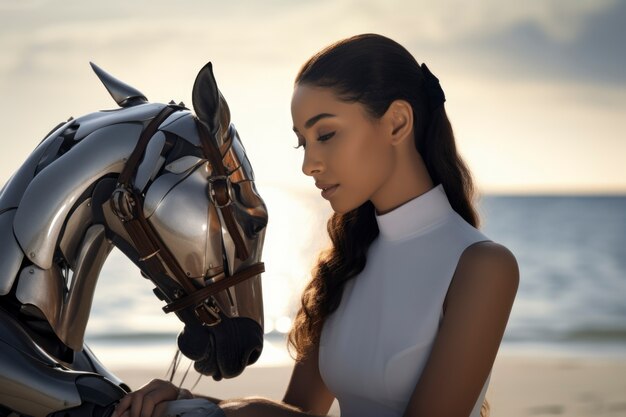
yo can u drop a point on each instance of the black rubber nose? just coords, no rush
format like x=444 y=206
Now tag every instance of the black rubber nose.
x=254 y=355
x=238 y=345
x=195 y=342
x=223 y=350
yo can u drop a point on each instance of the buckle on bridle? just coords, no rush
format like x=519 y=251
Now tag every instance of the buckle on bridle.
x=220 y=187
x=122 y=203
x=208 y=314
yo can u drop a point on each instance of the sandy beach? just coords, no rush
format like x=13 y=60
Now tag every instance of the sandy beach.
x=521 y=385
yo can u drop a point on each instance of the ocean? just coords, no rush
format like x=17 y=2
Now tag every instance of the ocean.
x=571 y=252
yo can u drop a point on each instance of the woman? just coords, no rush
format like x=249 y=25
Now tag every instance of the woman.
x=405 y=312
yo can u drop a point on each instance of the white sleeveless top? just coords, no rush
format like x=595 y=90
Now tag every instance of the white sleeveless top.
x=373 y=348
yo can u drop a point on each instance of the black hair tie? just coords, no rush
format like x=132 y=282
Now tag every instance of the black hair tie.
x=436 y=96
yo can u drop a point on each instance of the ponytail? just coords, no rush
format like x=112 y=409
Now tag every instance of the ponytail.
x=445 y=166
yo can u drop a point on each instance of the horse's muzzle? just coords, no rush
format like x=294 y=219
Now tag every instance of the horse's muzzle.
x=223 y=350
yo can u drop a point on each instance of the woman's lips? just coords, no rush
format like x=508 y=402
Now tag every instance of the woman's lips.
x=327 y=192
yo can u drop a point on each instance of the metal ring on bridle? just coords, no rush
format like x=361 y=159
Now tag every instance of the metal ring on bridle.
x=224 y=185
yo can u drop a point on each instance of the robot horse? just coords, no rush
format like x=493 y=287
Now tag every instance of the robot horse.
x=175 y=193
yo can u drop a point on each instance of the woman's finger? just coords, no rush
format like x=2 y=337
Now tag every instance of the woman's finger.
x=136 y=404
x=159 y=395
x=159 y=409
x=141 y=403
x=122 y=406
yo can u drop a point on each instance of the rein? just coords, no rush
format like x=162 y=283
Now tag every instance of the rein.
x=126 y=203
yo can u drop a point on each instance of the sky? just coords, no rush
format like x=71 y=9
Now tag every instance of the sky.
x=536 y=90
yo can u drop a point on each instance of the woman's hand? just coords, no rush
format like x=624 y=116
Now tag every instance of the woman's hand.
x=150 y=399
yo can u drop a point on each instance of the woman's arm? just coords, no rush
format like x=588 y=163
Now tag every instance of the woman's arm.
x=479 y=302
x=306 y=396
x=306 y=389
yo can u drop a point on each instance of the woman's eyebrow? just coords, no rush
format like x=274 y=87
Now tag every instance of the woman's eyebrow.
x=309 y=123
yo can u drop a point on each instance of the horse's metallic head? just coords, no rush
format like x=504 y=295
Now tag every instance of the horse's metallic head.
x=205 y=222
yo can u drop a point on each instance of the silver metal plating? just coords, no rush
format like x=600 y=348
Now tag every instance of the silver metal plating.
x=185 y=127
x=152 y=161
x=173 y=117
x=50 y=196
x=181 y=218
x=159 y=189
x=183 y=164
x=13 y=255
x=14 y=188
x=137 y=114
x=75 y=227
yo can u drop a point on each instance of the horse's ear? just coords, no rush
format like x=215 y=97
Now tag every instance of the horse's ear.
x=208 y=102
x=123 y=94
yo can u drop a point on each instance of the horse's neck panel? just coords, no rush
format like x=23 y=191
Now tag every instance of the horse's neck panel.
x=53 y=193
x=75 y=226
x=67 y=311
x=94 y=121
x=91 y=257
x=18 y=183
x=43 y=289
x=11 y=254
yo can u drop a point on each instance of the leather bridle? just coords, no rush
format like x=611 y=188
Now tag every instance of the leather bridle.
x=156 y=258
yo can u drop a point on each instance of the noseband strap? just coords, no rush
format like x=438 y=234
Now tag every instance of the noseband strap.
x=155 y=256
x=204 y=293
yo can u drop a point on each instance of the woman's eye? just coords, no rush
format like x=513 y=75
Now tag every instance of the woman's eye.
x=321 y=138
x=300 y=143
x=325 y=137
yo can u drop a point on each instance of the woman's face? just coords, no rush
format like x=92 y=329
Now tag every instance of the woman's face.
x=346 y=151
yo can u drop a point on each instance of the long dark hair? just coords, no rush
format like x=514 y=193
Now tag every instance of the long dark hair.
x=373 y=70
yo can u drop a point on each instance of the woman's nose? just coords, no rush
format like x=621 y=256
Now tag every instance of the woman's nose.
x=311 y=164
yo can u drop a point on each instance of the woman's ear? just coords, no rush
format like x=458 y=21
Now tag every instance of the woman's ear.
x=400 y=118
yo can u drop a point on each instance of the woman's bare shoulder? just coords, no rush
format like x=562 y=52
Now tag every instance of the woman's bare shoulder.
x=487 y=253
x=485 y=265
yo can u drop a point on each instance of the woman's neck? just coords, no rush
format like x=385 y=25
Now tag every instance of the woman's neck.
x=409 y=179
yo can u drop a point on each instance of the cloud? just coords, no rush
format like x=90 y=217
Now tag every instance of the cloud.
x=551 y=39
x=595 y=53
x=21 y=5
x=453 y=20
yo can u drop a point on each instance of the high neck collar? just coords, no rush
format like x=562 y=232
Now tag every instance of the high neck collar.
x=415 y=216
